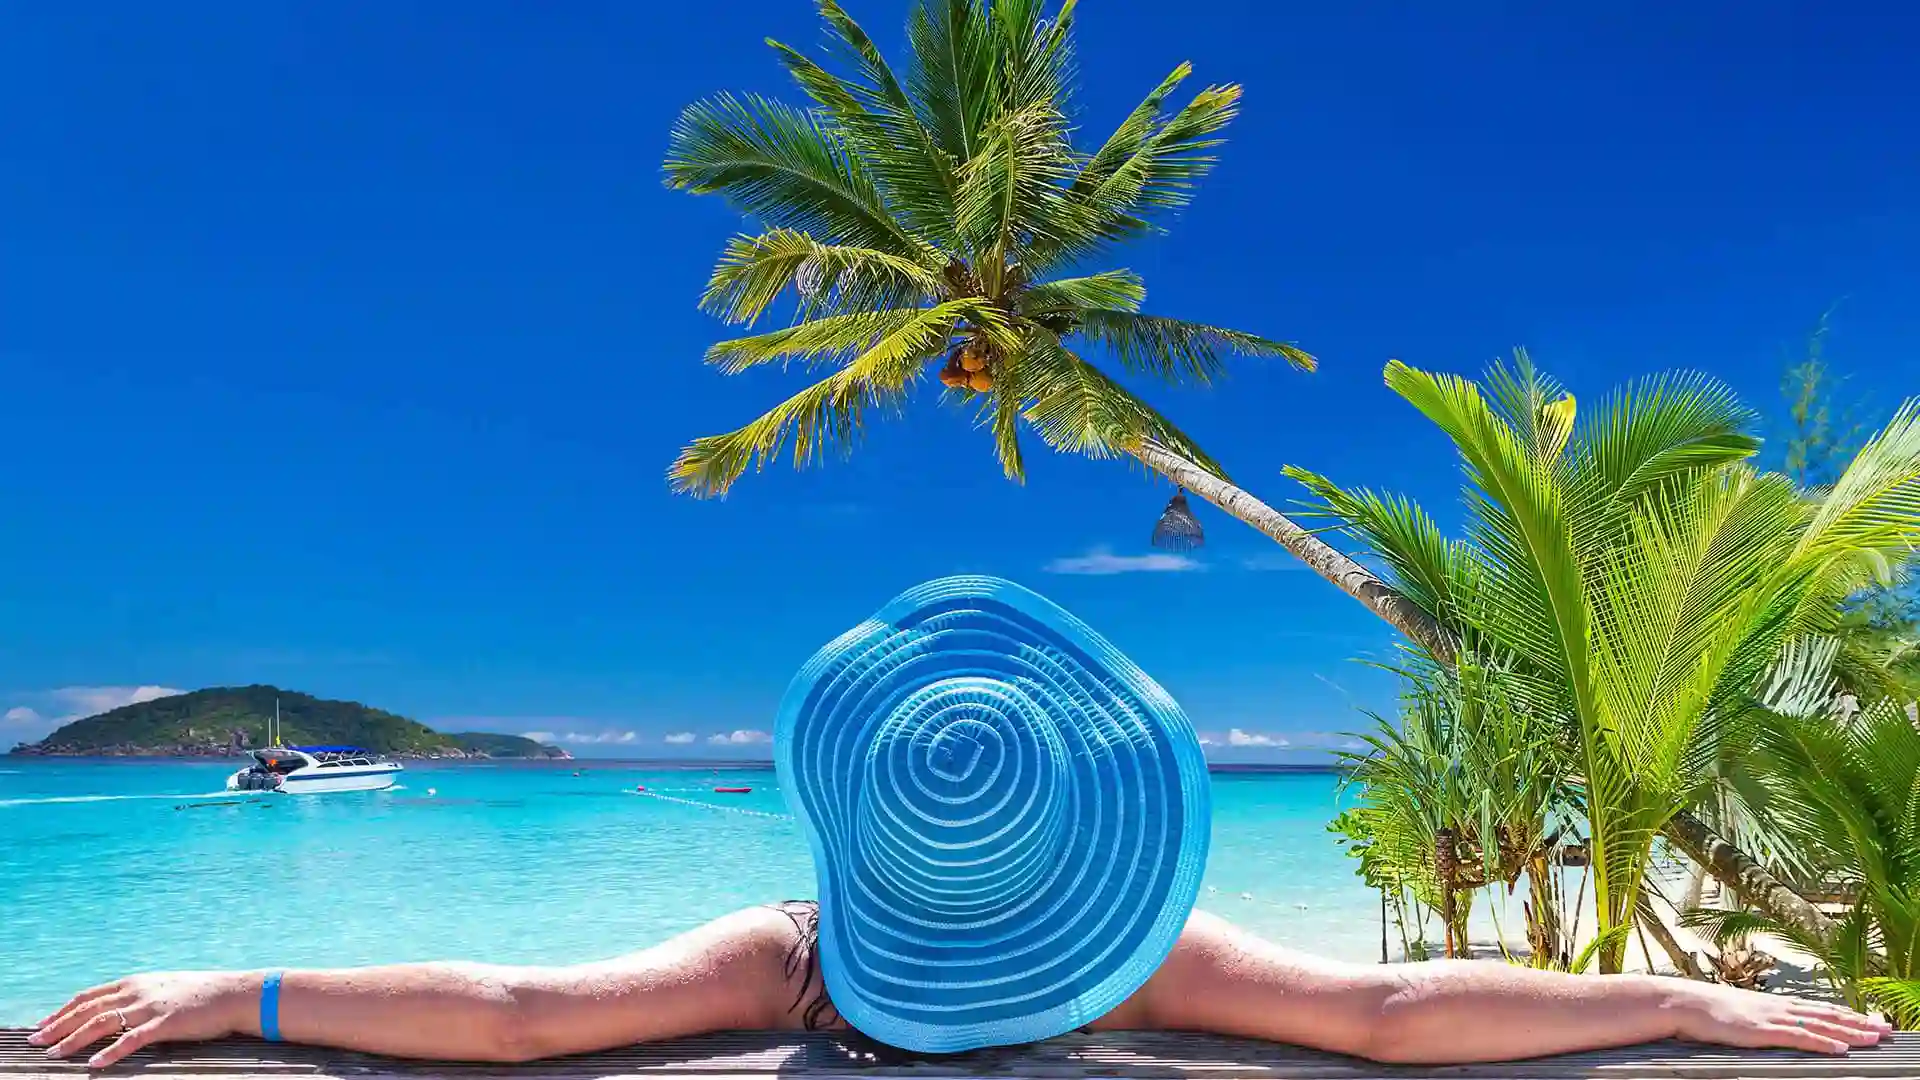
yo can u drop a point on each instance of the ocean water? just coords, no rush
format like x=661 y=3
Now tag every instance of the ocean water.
x=112 y=867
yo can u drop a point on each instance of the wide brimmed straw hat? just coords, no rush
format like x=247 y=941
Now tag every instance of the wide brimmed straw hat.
x=1009 y=819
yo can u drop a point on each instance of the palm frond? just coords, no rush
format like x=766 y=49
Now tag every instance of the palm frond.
x=1010 y=192
x=1116 y=290
x=1131 y=136
x=1117 y=202
x=877 y=118
x=1000 y=413
x=1664 y=426
x=1534 y=575
x=1800 y=682
x=950 y=75
x=755 y=271
x=826 y=338
x=1078 y=409
x=1721 y=926
x=1521 y=395
x=1176 y=350
x=1427 y=568
x=1875 y=504
x=1035 y=54
x=784 y=167
x=827 y=417
x=1899 y=999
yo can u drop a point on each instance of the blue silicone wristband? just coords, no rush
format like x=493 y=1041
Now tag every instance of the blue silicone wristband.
x=270 y=1007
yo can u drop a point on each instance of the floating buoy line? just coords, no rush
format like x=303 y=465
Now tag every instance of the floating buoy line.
x=644 y=793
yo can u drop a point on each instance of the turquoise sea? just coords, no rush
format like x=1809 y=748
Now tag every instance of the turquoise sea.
x=110 y=867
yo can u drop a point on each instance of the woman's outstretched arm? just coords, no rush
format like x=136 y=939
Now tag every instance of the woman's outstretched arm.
x=730 y=973
x=1227 y=981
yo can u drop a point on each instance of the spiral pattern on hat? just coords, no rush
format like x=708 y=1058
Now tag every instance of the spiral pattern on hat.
x=1009 y=820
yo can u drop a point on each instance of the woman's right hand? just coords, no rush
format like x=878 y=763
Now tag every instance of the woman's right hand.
x=181 y=1006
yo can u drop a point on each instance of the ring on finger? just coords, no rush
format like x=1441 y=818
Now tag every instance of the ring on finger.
x=122 y=1017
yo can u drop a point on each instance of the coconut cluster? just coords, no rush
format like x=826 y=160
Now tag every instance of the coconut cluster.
x=969 y=366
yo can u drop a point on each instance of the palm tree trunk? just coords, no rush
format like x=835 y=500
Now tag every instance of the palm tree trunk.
x=1681 y=958
x=1737 y=871
x=1729 y=865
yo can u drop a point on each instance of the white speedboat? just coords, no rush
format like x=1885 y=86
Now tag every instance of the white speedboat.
x=312 y=770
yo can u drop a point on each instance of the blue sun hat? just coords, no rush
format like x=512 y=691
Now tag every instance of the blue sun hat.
x=1009 y=820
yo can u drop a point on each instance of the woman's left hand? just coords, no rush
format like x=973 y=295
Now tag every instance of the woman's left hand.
x=181 y=1006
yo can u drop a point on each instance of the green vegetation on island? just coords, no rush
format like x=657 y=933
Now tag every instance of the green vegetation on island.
x=225 y=720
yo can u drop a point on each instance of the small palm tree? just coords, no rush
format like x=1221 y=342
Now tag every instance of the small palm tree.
x=1846 y=792
x=940 y=219
x=1461 y=791
x=1636 y=576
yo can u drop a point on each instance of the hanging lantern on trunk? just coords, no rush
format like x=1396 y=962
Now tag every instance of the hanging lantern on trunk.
x=1178 y=529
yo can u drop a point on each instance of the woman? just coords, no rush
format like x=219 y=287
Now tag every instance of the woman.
x=758 y=969
x=1009 y=823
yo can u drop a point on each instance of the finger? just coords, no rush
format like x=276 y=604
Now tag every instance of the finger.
x=71 y=1020
x=127 y=1043
x=1855 y=1029
x=96 y=1028
x=1805 y=1038
x=1835 y=1013
x=78 y=1000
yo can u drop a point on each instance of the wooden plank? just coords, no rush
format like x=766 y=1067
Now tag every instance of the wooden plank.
x=1115 y=1055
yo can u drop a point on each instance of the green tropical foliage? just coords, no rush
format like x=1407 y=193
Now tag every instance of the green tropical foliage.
x=938 y=217
x=1880 y=633
x=1637 y=578
x=1462 y=791
x=1845 y=791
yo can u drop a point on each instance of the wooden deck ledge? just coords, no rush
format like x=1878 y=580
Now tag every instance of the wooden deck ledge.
x=1122 y=1056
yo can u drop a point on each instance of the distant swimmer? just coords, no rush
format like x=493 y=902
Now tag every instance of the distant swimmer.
x=431 y=792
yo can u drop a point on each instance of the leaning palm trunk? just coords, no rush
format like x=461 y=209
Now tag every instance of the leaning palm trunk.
x=1736 y=870
x=1327 y=561
x=1729 y=865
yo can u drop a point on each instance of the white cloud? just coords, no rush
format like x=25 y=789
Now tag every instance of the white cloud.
x=740 y=738
x=1208 y=740
x=679 y=738
x=597 y=738
x=1237 y=737
x=1101 y=561
x=20 y=714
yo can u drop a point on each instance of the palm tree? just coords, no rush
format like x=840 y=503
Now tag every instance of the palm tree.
x=1459 y=792
x=940 y=219
x=1640 y=578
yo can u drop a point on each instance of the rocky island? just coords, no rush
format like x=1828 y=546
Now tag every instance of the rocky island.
x=226 y=721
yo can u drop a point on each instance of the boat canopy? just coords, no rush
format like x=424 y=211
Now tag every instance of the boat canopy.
x=331 y=749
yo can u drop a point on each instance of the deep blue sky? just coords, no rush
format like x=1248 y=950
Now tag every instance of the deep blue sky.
x=343 y=346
